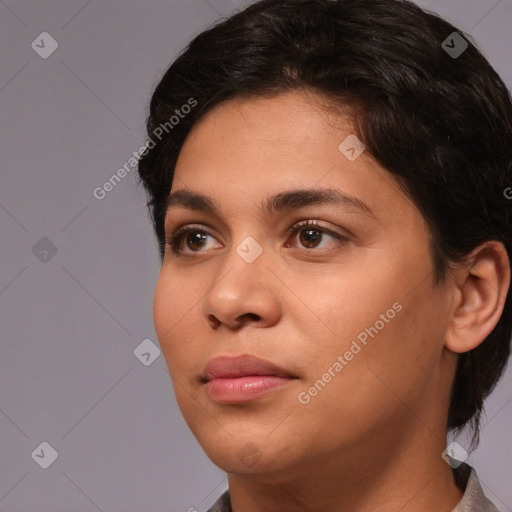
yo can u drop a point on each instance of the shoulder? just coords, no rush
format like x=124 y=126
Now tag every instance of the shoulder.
x=474 y=499
x=223 y=504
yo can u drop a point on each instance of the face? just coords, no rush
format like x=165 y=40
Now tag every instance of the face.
x=336 y=291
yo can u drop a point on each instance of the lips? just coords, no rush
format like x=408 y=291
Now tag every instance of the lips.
x=241 y=366
x=242 y=378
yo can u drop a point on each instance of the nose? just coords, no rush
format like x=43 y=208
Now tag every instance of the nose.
x=243 y=292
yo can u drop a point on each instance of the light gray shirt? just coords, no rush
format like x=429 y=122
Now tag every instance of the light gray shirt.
x=474 y=499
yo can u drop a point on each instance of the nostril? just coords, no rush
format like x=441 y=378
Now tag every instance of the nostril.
x=214 y=321
x=242 y=319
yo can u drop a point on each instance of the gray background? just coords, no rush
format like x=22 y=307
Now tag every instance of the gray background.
x=70 y=321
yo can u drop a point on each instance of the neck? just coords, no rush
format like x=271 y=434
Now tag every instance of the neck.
x=399 y=474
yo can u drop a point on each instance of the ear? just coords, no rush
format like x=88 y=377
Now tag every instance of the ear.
x=481 y=287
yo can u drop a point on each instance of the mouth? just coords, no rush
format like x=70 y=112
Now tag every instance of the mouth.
x=242 y=378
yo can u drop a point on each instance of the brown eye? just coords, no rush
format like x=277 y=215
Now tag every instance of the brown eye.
x=310 y=237
x=195 y=238
x=311 y=234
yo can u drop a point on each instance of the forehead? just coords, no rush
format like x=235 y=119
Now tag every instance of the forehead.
x=256 y=151
x=294 y=116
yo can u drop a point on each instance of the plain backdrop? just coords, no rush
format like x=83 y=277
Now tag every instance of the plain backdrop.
x=77 y=273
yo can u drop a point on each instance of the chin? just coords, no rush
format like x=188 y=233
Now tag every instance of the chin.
x=244 y=454
x=250 y=462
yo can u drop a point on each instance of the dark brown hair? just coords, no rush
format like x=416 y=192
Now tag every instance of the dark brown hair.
x=440 y=123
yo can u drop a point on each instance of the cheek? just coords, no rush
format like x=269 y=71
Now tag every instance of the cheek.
x=173 y=300
x=162 y=300
x=384 y=371
x=172 y=307
x=403 y=356
x=348 y=297
x=372 y=313
x=171 y=304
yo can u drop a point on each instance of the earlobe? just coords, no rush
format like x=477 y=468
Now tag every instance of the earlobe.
x=481 y=285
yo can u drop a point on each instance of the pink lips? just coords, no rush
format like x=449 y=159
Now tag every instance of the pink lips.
x=242 y=378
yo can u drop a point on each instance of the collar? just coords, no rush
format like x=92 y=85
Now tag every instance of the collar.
x=474 y=499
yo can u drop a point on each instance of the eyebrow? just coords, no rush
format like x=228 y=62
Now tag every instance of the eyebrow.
x=284 y=201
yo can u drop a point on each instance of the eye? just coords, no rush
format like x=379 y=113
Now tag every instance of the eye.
x=311 y=233
x=194 y=236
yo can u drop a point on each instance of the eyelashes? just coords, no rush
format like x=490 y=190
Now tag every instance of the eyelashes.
x=176 y=238
x=312 y=227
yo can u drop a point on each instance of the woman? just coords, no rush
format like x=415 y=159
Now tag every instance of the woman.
x=326 y=181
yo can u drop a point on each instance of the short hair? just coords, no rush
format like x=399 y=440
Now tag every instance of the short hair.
x=439 y=122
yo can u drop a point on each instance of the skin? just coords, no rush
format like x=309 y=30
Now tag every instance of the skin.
x=372 y=438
